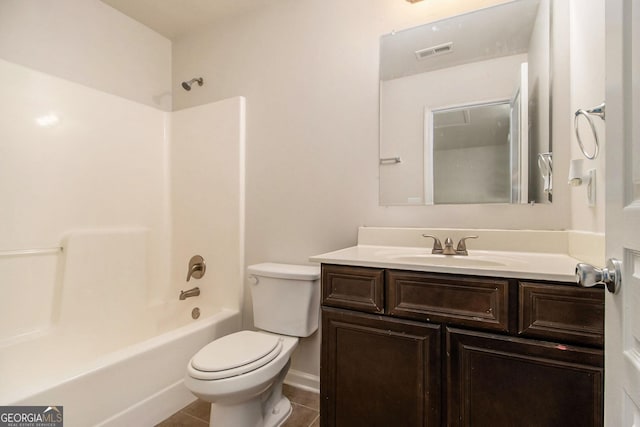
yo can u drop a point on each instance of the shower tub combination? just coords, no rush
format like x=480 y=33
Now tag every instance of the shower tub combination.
x=110 y=356
x=97 y=327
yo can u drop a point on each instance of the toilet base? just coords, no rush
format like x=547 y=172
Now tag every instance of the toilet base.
x=279 y=413
x=270 y=409
x=249 y=414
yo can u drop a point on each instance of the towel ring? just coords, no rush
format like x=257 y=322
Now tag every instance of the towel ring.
x=598 y=111
x=545 y=163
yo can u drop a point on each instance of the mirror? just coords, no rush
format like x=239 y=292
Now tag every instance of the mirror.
x=464 y=108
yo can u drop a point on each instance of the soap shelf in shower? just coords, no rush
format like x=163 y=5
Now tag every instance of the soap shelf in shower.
x=36 y=251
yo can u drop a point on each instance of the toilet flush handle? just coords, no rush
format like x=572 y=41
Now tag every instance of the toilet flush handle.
x=253 y=279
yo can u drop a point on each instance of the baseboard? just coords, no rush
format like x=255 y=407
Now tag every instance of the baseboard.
x=153 y=409
x=170 y=400
x=303 y=380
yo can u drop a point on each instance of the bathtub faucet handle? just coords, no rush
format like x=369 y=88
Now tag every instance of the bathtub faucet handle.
x=197 y=267
x=194 y=271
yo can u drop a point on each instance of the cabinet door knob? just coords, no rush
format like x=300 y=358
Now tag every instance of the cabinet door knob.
x=587 y=275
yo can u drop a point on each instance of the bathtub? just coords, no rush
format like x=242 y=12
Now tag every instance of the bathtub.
x=109 y=378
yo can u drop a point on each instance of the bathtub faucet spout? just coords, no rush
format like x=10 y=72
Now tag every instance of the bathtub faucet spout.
x=193 y=292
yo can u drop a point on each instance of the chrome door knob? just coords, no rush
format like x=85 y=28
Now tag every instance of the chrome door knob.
x=587 y=275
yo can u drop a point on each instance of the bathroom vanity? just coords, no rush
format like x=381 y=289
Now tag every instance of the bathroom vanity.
x=413 y=347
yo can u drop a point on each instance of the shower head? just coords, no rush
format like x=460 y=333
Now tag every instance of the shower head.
x=187 y=85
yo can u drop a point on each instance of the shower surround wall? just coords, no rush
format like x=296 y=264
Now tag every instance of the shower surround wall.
x=207 y=187
x=73 y=158
x=130 y=193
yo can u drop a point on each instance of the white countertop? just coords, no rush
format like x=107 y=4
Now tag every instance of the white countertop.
x=510 y=264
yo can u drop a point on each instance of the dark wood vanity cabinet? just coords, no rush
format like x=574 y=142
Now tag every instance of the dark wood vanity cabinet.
x=425 y=349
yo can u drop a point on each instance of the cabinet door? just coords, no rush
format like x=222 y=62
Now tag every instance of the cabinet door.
x=378 y=372
x=495 y=380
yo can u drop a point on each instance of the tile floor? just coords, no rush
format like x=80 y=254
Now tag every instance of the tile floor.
x=306 y=411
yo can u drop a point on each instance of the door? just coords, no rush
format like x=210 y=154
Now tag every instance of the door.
x=622 y=311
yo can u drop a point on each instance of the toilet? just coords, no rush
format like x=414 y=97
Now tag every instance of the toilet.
x=241 y=374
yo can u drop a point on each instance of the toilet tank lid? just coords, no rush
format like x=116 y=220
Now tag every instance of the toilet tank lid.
x=285 y=271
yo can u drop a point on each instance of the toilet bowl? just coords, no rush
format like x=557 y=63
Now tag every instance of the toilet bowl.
x=241 y=374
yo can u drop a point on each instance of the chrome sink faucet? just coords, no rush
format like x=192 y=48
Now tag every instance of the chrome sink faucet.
x=448 y=245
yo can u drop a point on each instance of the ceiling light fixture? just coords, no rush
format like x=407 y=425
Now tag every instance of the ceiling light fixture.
x=413 y=1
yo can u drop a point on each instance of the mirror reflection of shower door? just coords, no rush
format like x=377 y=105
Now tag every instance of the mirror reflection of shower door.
x=467 y=155
x=428 y=156
x=519 y=139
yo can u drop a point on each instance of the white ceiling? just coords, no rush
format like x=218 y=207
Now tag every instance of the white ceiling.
x=173 y=18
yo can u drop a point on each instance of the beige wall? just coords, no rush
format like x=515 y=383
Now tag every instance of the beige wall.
x=587 y=91
x=309 y=72
x=88 y=42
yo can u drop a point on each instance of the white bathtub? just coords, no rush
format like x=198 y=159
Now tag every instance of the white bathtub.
x=112 y=379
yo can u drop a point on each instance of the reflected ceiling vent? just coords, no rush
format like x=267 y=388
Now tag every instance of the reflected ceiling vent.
x=451 y=118
x=432 y=51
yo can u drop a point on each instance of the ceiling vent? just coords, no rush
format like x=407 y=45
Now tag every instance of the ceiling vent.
x=428 y=52
x=451 y=118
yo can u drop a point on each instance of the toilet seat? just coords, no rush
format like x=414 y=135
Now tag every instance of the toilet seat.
x=234 y=354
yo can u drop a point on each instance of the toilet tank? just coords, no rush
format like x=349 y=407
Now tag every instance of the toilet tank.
x=286 y=298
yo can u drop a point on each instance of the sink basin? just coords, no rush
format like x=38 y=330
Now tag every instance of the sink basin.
x=448 y=260
x=420 y=256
